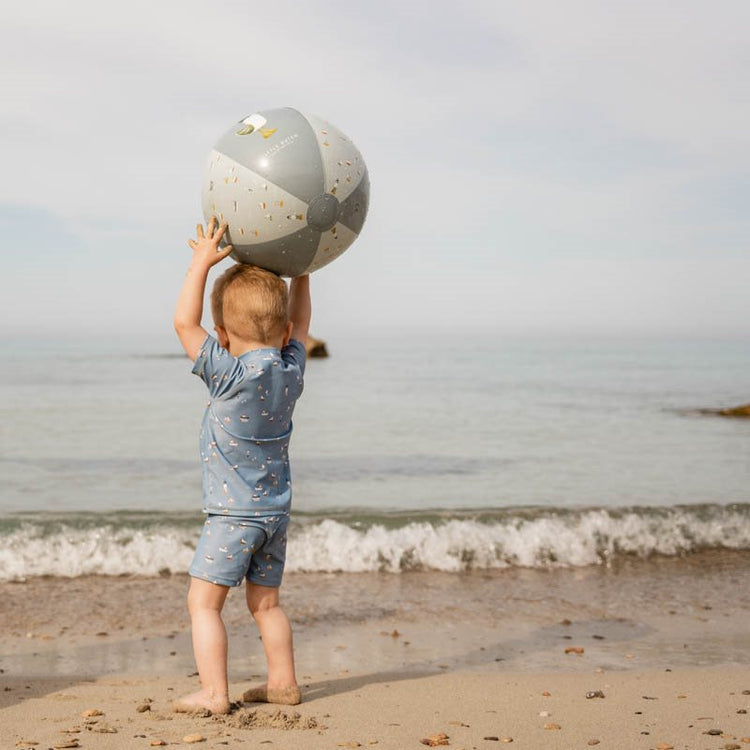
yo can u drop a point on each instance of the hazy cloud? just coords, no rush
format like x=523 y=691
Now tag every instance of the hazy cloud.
x=568 y=148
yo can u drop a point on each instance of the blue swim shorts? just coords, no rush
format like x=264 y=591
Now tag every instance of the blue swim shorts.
x=232 y=549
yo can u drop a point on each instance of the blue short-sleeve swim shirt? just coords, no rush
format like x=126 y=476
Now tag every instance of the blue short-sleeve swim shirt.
x=244 y=438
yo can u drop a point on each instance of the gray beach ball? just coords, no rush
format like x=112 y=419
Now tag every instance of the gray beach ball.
x=292 y=188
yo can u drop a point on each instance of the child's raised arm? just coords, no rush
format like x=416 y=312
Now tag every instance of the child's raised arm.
x=189 y=312
x=300 y=308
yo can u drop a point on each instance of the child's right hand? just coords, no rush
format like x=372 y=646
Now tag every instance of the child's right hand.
x=205 y=247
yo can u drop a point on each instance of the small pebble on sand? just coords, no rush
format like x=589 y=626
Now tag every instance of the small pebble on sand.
x=664 y=746
x=91 y=712
x=593 y=742
x=189 y=738
x=574 y=650
x=158 y=743
x=595 y=694
x=104 y=729
x=434 y=740
x=143 y=707
x=552 y=726
x=546 y=693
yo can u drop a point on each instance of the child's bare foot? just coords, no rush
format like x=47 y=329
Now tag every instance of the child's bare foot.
x=202 y=701
x=288 y=696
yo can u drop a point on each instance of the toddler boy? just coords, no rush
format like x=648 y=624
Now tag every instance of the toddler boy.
x=253 y=370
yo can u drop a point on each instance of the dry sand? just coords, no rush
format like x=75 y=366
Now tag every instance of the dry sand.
x=640 y=709
x=386 y=661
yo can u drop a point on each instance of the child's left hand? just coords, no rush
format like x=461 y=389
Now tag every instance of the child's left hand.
x=206 y=250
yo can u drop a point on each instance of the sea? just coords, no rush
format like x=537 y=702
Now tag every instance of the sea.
x=409 y=453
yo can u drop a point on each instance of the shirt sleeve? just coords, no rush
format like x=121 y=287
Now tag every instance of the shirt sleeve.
x=294 y=353
x=217 y=368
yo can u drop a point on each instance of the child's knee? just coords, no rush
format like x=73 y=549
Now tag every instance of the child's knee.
x=261 y=598
x=203 y=595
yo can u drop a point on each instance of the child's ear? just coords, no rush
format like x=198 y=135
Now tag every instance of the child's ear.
x=221 y=334
x=288 y=334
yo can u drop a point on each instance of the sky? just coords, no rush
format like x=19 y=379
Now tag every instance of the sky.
x=536 y=167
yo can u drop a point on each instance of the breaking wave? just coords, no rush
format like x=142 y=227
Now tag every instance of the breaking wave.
x=71 y=545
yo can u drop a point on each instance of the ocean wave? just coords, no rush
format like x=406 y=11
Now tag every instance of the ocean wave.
x=71 y=552
x=555 y=540
x=535 y=538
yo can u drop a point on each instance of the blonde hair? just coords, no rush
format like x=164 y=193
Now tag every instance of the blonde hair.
x=250 y=303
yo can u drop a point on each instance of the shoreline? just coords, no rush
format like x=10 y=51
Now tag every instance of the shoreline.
x=386 y=660
x=666 y=612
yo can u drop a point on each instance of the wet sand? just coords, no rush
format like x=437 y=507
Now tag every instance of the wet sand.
x=387 y=660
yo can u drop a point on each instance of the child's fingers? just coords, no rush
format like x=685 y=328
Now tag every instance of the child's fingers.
x=199 y=231
x=221 y=253
x=193 y=244
x=223 y=228
x=211 y=226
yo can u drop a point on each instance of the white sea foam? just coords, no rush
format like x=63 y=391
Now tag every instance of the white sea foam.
x=542 y=539
x=586 y=539
x=104 y=550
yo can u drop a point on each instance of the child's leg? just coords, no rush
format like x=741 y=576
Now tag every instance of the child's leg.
x=205 y=602
x=276 y=632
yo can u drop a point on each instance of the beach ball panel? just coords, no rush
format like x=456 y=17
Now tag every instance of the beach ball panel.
x=291 y=255
x=256 y=209
x=353 y=210
x=283 y=151
x=332 y=244
x=343 y=164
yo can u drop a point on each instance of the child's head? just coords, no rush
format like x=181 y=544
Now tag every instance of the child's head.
x=250 y=304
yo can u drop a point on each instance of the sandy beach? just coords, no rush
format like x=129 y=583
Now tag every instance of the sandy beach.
x=648 y=654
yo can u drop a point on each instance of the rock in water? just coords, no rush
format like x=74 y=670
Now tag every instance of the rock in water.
x=742 y=411
x=316 y=347
x=736 y=411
